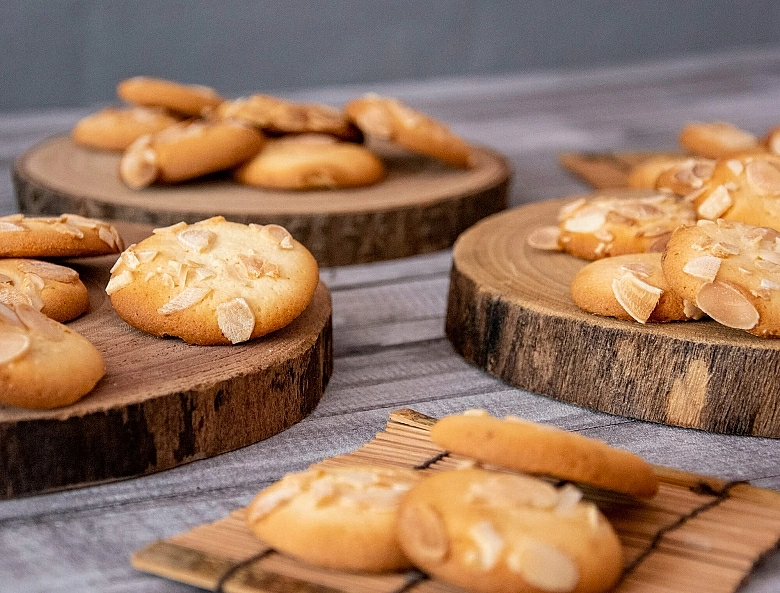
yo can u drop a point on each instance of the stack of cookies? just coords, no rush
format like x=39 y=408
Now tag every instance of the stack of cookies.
x=172 y=132
x=511 y=519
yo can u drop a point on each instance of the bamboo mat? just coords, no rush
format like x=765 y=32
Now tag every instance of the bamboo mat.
x=698 y=534
x=604 y=170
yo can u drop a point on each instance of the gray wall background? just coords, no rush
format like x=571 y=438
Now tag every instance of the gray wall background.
x=71 y=53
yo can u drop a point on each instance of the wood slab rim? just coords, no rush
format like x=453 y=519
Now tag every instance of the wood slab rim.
x=422 y=205
x=509 y=312
x=162 y=402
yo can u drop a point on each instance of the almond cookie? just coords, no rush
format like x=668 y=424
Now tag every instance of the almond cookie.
x=630 y=287
x=188 y=150
x=56 y=291
x=43 y=364
x=731 y=271
x=187 y=99
x=605 y=225
x=717 y=139
x=311 y=161
x=213 y=282
x=507 y=533
x=276 y=117
x=644 y=174
x=67 y=235
x=744 y=188
x=390 y=119
x=686 y=176
x=116 y=129
x=535 y=448
x=340 y=517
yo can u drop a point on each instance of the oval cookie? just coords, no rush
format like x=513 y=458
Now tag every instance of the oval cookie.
x=43 y=364
x=116 y=129
x=187 y=99
x=535 y=448
x=340 y=517
x=54 y=290
x=67 y=235
x=731 y=271
x=213 y=282
x=506 y=533
x=716 y=139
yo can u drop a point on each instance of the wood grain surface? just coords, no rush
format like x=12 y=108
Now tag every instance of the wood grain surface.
x=421 y=206
x=162 y=402
x=605 y=170
x=510 y=313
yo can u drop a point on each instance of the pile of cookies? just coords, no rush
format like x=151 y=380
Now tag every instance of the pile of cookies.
x=694 y=236
x=496 y=524
x=172 y=132
x=43 y=363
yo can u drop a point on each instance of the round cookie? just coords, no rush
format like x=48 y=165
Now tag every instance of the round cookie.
x=43 y=364
x=116 y=129
x=717 y=139
x=743 y=188
x=188 y=150
x=630 y=221
x=187 y=99
x=54 y=290
x=731 y=271
x=644 y=174
x=686 y=176
x=213 y=282
x=311 y=161
x=390 y=119
x=67 y=235
x=497 y=532
x=276 y=116
x=535 y=448
x=339 y=517
x=630 y=287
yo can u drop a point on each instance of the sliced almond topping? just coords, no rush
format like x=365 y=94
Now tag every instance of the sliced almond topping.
x=727 y=305
x=769 y=284
x=49 y=271
x=280 y=234
x=545 y=238
x=767 y=266
x=6 y=226
x=705 y=267
x=138 y=166
x=425 y=531
x=118 y=282
x=692 y=311
x=257 y=267
x=196 y=239
x=184 y=300
x=763 y=177
x=12 y=346
x=489 y=544
x=146 y=256
x=9 y=317
x=68 y=229
x=569 y=497
x=109 y=236
x=640 y=269
x=723 y=249
x=637 y=298
x=236 y=320
x=204 y=273
x=36 y=321
x=544 y=567
x=271 y=499
x=716 y=204
x=33 y=281
x=10 y=295
x=587 y=221
x=735 y=166
x=771 y=256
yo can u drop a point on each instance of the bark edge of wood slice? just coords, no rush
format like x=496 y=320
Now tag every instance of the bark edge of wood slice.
x=422 y=206
x=509 y=313
x=162 y=402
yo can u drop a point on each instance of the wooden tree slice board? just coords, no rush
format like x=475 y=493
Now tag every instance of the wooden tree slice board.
x=509 y=312
x=421 y=206
x=162 y=402
x=605 y=170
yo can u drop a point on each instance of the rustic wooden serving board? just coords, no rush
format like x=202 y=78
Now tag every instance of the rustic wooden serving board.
x=421 y=206
x=509 y=312
x=163 y=402
x=698 y=534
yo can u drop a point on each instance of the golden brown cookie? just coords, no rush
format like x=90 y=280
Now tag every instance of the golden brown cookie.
x=43 y=364
x=616 y=223
x=311 y=161
x=67 y=235
x=277 y=116
x=717 y=139
x=338 y=517
x=644 y=174
x=188 y=150
x=116 y=129
x=54 y=290
x=214 y=281
x=497 y=532
x=535 y=448
x=771 y=140
x=187 y=99
x=743 y=188
x=630 y=287
x=686 y=176
x=390 y=119
x=731 y=271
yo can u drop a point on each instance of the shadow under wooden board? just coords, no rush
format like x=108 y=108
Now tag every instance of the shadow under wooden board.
x=698 y=534
x=509 y=312
x=162 y=402
x=421 y=206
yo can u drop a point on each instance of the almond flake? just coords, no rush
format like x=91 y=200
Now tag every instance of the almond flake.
x=544 y=567
x=705 y=267
x=36 y=321
x=196 y=239
x=735 y=166
x=489 y=544
x=545 y=238
x=640 y=269
x=49 y=271
x=257 y=267
x=6 y=226
x=109 y=236
x=10 y=295
x=585 y=222
x=146 y=256
x=9 y=317
x=692 y=311
x=763 y=177
x=716 y=204
x=184 y=300
x=272 y=498
x=280 y=234
x=68 y=229
x=769 y=284
x=236 y=320
x=727 y=305
x=203 y=273
x=118 y=282
x=12 y=346
x=767 y=266
x=129 y=259
x=724 y=250
x=637 y=298
x=770 y=256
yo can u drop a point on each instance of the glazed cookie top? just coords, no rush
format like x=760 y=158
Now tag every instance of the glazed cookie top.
x=187 y=99
x=214 y=281
x=67 y=235
x=54 y=290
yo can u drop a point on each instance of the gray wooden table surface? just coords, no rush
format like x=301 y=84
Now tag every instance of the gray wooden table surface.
x=390 y=349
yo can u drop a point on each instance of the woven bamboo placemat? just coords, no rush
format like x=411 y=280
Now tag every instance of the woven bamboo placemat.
x=698 y=534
